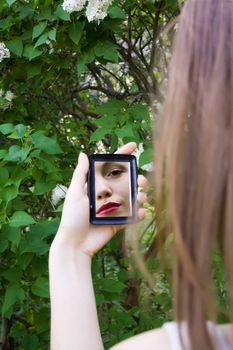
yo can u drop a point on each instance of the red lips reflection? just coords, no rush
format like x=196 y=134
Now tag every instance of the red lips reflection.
x=108 y=208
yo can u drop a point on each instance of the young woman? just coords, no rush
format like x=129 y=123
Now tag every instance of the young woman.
x=194 y=174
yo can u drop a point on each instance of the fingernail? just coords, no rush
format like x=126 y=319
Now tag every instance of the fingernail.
x=80 y=156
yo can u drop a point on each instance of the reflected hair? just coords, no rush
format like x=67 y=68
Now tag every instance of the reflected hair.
x=194 y=161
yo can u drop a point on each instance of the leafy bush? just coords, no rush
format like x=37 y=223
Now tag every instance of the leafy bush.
x=69 y=85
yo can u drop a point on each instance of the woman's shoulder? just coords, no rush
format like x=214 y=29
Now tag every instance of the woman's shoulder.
x=146 y=340
x=227 y=330
x=160 y=338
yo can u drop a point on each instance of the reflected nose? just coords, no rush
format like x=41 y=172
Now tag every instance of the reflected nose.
x=104 y=193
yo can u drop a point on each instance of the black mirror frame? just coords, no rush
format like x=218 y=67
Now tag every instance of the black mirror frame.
x=91 y=188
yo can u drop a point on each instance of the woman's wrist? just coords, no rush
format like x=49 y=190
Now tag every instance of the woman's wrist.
x=63 y=253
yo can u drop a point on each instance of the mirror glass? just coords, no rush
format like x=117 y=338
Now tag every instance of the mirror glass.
x=112 y=189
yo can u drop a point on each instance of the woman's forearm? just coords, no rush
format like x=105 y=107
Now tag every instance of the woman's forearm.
x=74 y=321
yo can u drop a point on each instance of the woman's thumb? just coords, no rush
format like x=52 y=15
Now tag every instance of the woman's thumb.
x=80 y=174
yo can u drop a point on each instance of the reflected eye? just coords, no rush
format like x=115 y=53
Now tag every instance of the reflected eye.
x=115 y=173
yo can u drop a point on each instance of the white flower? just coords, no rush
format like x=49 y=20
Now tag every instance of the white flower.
x=148 y=167
x=9 y=96
x=58 y=193
x=1 y=93
x=97 y=9
x=73 y=5
x=4 y=52
x=139 y=151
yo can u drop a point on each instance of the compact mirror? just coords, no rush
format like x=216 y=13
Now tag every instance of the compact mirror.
x=112 y=188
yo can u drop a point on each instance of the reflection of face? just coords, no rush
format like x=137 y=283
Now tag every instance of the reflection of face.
x=112 y=185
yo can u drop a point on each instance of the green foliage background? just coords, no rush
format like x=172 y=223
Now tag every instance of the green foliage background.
x=77 y=86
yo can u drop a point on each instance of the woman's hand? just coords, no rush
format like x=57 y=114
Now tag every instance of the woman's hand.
x=75 y=229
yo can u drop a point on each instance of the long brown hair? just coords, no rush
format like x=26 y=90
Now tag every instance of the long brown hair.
x=194 y=159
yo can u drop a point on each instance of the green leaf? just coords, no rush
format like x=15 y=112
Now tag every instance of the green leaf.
x=98 y=134
x=24 y=260
x=125 y=131
x=33 y=244
x=8 y=193
x=36 y=3
x=16 y=46
x=116 y=12
x=106 y=121
x=100 y=299
x=19 y=131
x=47 y=144
x=41 y=287
x=75 y=31
x=10 y=2
x=4 y=175
x=30 y=342
x=13 y=294
x=52 y=34
x=2 y=101
x=171 y=5
x=45 y=228
x=6 y=128
x=112 y=107
x=46 y=164
x=25 y=11
x=12 y=234
x=112 y=286
x=123 y=275
x=107 y=50
x=42 y=320
x=45 y=14
x=13 y=274
x=17 y=330
x=17 y=176
x=3 y=246
x=38 y=29
x=42 y=186
x=3 y=153
x=20 y=218
x=140 y=112
x=7 y=23
x=83 y=60
x=42 y=39
x=17 y=154
x=65 y=62
x=33 y=70
x=146 y=157
x=31 y=52
x=60 y=13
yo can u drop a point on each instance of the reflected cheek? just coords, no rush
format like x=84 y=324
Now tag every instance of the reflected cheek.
x=125 y=188
x=123 y=193
x=97 y=185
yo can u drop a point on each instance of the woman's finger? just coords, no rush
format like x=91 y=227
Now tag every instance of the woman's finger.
x=141 y=197
x=142 y=213
x=127 y=149
x=143 y=182
x=79 y=177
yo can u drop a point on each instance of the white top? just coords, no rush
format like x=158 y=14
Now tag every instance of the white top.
x=172 y=330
